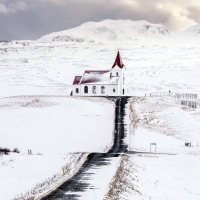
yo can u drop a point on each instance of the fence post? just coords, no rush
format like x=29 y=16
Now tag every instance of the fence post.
x=63 y=171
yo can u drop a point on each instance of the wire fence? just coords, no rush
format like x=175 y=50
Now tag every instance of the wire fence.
x=186 y=99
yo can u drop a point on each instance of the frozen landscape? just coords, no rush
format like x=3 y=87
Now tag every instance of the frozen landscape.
x=37 y=113
x=156 y=59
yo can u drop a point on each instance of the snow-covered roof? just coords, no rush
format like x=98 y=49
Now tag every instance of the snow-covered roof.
x=98 y=77
x=77 y=80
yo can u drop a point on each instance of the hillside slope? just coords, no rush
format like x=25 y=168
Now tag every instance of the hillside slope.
x=109 y=31
x=191 y=32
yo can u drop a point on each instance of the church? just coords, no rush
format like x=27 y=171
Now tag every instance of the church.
x=101 y=82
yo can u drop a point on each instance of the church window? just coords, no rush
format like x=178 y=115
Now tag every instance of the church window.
x=86 y=89
x=113 y=90
x=102 y=90
x=94 y=89
x=117 y=74
x=77 y=90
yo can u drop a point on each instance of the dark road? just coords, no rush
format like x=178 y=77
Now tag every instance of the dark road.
x=73 y=188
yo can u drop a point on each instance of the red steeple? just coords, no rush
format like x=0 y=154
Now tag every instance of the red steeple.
x=118 y=61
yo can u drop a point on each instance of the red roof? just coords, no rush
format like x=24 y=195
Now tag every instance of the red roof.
x=98 y=77
x=96 y=71
x=94 y=76
x=118 y=61
x=77 y=80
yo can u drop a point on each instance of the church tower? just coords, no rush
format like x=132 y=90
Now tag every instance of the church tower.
x=118 y=70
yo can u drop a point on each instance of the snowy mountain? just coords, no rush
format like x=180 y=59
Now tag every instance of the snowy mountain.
x=193 y=31
x=109 y=31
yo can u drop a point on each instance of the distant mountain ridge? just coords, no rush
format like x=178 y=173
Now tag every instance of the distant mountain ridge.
x=110 y=31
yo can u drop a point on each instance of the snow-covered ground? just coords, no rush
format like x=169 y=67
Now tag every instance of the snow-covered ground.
x=48 y=124
x=156 y=60
x=168 y=125
x=171 y=173
x=52 y=127
x=49 y=68
x=25 y=176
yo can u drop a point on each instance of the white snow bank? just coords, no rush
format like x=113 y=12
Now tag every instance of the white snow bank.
x=167 y=125
x=166 y=177
x=21 y=173
x=56 y=124
x=172 y=173
x=143 y=138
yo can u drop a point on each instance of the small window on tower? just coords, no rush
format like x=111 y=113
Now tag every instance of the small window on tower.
x=117 y=74
x=113 y=90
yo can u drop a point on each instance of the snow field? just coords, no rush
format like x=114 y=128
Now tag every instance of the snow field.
x=155 y=176
x=172 y=173
x=54 y=128
x=56 y=124
x=27 y=176
x=167 y=124
x=49 y=68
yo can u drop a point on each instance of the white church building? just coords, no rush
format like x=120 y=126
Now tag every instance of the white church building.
x=101 y=82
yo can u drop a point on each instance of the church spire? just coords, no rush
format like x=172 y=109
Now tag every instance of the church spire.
x=118 y=61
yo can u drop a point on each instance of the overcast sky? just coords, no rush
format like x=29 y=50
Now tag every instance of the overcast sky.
x=30 y=19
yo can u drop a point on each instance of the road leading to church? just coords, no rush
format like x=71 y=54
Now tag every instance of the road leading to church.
x=76 y=187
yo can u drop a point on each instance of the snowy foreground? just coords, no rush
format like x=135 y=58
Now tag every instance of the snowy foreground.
x=24 y=176
x=54 y=128
x=171 y=173
x=48 y=124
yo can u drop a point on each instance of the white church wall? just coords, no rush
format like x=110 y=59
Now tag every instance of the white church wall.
x=110 y=90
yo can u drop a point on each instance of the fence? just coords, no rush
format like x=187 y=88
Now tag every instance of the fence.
x=186 y=99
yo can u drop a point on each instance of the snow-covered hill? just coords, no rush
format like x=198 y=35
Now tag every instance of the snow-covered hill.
x=109 y=31
x=193 y=31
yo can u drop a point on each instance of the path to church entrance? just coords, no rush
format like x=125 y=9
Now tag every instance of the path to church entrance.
x=92 y=180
